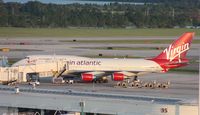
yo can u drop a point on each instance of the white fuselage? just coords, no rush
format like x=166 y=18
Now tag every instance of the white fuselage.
x=76 y=63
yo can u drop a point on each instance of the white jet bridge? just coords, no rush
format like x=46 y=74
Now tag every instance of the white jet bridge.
x=20 y=73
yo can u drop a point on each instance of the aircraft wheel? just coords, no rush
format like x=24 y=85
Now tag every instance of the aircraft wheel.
x=151 y=85
x=146 y=85
x=132 y=84
x=158 y=85
x=164 y=86
x=119 y=84
x=136 y=84
x=124 y=84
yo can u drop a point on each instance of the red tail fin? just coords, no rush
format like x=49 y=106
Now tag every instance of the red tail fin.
x=176 y=52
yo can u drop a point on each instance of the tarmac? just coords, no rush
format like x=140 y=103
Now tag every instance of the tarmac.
x=184 y=85
x=22 y=47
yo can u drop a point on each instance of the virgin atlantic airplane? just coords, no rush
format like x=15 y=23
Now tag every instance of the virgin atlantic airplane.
x=124 y=70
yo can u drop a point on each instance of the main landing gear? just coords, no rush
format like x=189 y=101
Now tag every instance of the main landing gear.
x=136 y=83
x=101 y=80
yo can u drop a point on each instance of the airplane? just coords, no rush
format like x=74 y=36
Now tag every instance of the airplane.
x=122 y=70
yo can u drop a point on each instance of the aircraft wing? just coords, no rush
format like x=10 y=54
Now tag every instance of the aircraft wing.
x=89 y=76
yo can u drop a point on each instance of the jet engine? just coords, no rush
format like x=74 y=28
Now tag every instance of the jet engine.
x=118 y=76
x=87 y=77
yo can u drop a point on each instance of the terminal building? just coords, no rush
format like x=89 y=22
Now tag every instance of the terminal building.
x=49 y=102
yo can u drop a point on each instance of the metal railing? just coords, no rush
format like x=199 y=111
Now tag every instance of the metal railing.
x=158 y=100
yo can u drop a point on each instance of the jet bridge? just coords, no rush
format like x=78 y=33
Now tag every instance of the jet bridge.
x=20 y=73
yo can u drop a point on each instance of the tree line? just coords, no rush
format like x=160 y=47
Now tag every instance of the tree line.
x=167 y=14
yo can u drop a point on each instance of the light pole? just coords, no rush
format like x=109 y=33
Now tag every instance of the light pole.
x=82 y=105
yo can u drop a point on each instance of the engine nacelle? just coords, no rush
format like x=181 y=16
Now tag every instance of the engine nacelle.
x=87 y=77
x=118 y=76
